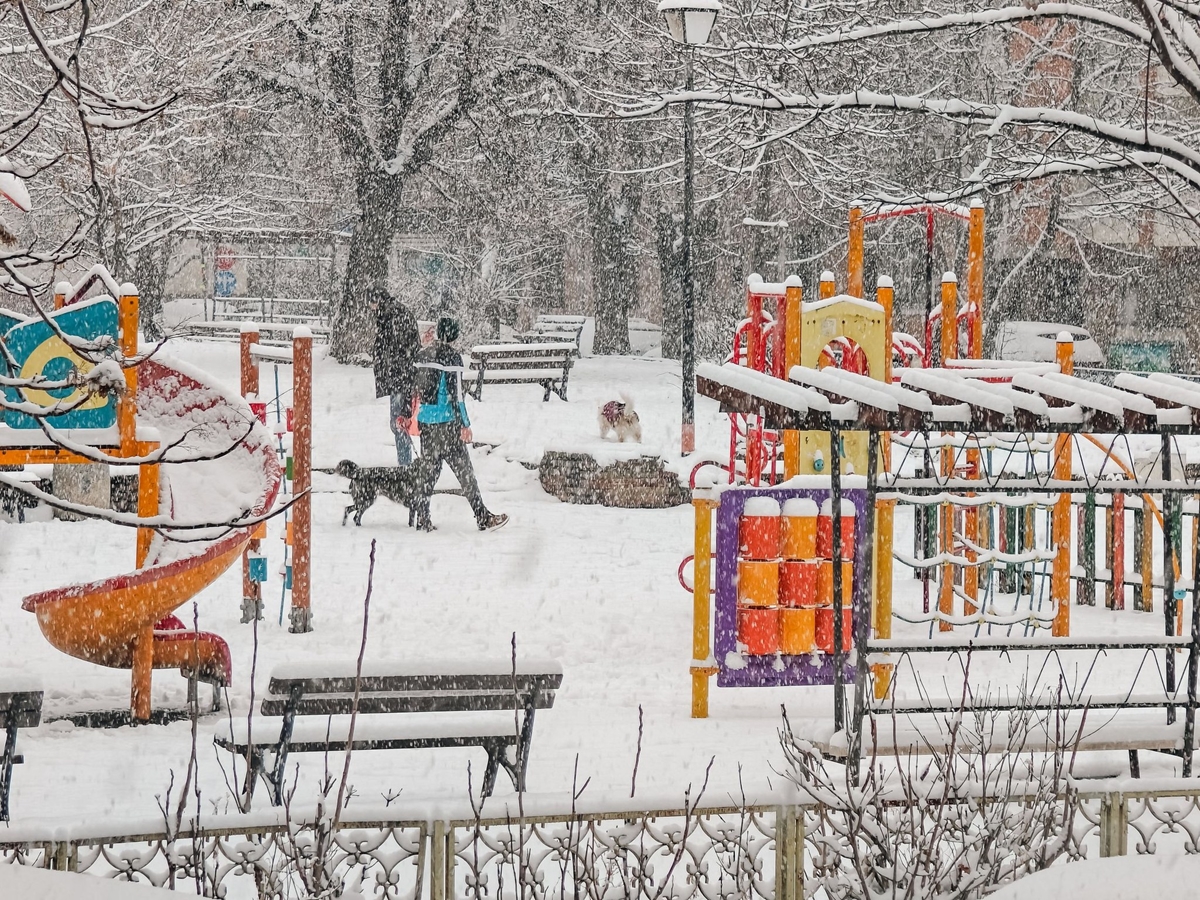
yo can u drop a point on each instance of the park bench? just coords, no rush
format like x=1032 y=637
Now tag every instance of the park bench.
x=546 y=364
x=549 y=329
x=486 y=706
x=20 y=707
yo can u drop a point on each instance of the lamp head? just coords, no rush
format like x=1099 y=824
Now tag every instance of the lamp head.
x=690 y=21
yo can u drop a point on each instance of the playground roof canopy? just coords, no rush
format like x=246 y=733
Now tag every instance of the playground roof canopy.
x=956 y=398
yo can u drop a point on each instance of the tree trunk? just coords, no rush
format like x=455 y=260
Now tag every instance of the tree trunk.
x=150 y=276
x=669 y=231
x=614 y=270
x=366 y=267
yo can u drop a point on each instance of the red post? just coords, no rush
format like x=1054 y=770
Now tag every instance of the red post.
x=302 y=471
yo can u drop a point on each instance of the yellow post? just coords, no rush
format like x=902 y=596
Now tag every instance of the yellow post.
x=828 y=286
x=793 y=303
x=1146 y=563
x=885 y=527
x=975 y=282
x=127 y=307
x=1060 y=518
x=702 y=657
x=946 y=544
x=854 y=259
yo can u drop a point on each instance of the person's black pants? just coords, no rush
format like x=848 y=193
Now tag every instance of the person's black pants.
x=443 y=443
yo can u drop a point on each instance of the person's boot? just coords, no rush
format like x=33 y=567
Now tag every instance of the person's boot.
x=492 y=521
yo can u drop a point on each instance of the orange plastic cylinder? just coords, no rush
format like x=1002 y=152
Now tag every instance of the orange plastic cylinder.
x=798 y=582
x=758 y=582
x=758 y=531
x=824 y=629
x=797 y=630
x=758 y=630
x=825 y=530
x=798 y=532
x=825 y=583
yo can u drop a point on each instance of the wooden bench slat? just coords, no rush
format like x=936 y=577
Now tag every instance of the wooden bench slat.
x=322 y=731
x=283 y=682
x=398 y=703
x=22 y=708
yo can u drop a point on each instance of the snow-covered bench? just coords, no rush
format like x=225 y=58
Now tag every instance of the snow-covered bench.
x=547 y=364
x=308 y=710
x=550 y=329
x=20 y=707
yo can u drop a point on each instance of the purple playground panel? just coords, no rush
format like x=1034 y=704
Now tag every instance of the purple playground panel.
x=782 y=669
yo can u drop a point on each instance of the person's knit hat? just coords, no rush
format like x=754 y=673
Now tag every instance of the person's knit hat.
x=447 y=330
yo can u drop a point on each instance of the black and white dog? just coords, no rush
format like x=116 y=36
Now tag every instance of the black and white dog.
x=400 y=484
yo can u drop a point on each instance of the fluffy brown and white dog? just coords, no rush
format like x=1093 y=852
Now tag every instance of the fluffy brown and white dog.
x=620 y=418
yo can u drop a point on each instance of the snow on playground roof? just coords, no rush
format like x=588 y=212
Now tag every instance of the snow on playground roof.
x=1035 y=400
x=817 y=305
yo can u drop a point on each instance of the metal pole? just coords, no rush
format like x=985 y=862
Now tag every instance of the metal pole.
x=862 y=605
x=1168 y=567
x=1189 y=721
x=687 y=434
x=835 y=482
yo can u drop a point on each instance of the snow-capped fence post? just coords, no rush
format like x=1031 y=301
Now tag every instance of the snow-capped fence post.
x=441 y=861
x=1114 y=825
x=301 y=615
x=789 y=853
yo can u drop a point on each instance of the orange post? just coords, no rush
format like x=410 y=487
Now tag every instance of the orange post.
x=302 y=471
x=127 y=307
x=854 y=258
x=148 y=493
x=949 y=317
x=1060 y=518
x=793 y=305
x=251 y=589
x=975 y=282
x=143 y=672
x=702 y=661
x=828 y=286
x=60 y=294
x=885 y=510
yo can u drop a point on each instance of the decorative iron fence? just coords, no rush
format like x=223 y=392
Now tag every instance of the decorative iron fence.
x=704 y=853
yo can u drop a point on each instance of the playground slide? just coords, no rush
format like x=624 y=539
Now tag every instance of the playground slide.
x=100 y=621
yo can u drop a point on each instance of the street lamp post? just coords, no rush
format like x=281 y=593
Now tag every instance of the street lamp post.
x=689 y=22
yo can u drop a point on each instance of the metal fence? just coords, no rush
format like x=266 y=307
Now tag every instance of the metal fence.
x=706 y=853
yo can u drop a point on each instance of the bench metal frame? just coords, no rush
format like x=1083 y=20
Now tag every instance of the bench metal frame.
x=18 y=709
x=289 y=698
x=522 y=359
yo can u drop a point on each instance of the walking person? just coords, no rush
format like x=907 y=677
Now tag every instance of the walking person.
x=396 y=348
x=444 y=427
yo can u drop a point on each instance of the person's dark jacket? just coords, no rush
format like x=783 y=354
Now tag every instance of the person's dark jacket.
x=439 y=386
x=396 y=348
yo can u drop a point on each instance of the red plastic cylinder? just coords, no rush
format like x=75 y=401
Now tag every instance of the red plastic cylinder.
x=825 y=530
x=758 y=530
x=758 y=630
x=824 y=629
x=798 y=582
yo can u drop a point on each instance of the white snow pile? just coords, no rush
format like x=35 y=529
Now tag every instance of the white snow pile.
x=1113 y=878
x=42 y=884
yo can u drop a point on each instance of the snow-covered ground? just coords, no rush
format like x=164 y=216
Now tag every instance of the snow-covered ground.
x=592 y=587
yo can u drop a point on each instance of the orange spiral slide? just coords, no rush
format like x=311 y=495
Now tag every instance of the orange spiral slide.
x=126 y=621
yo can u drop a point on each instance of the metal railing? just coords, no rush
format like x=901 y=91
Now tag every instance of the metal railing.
x=692 y=853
